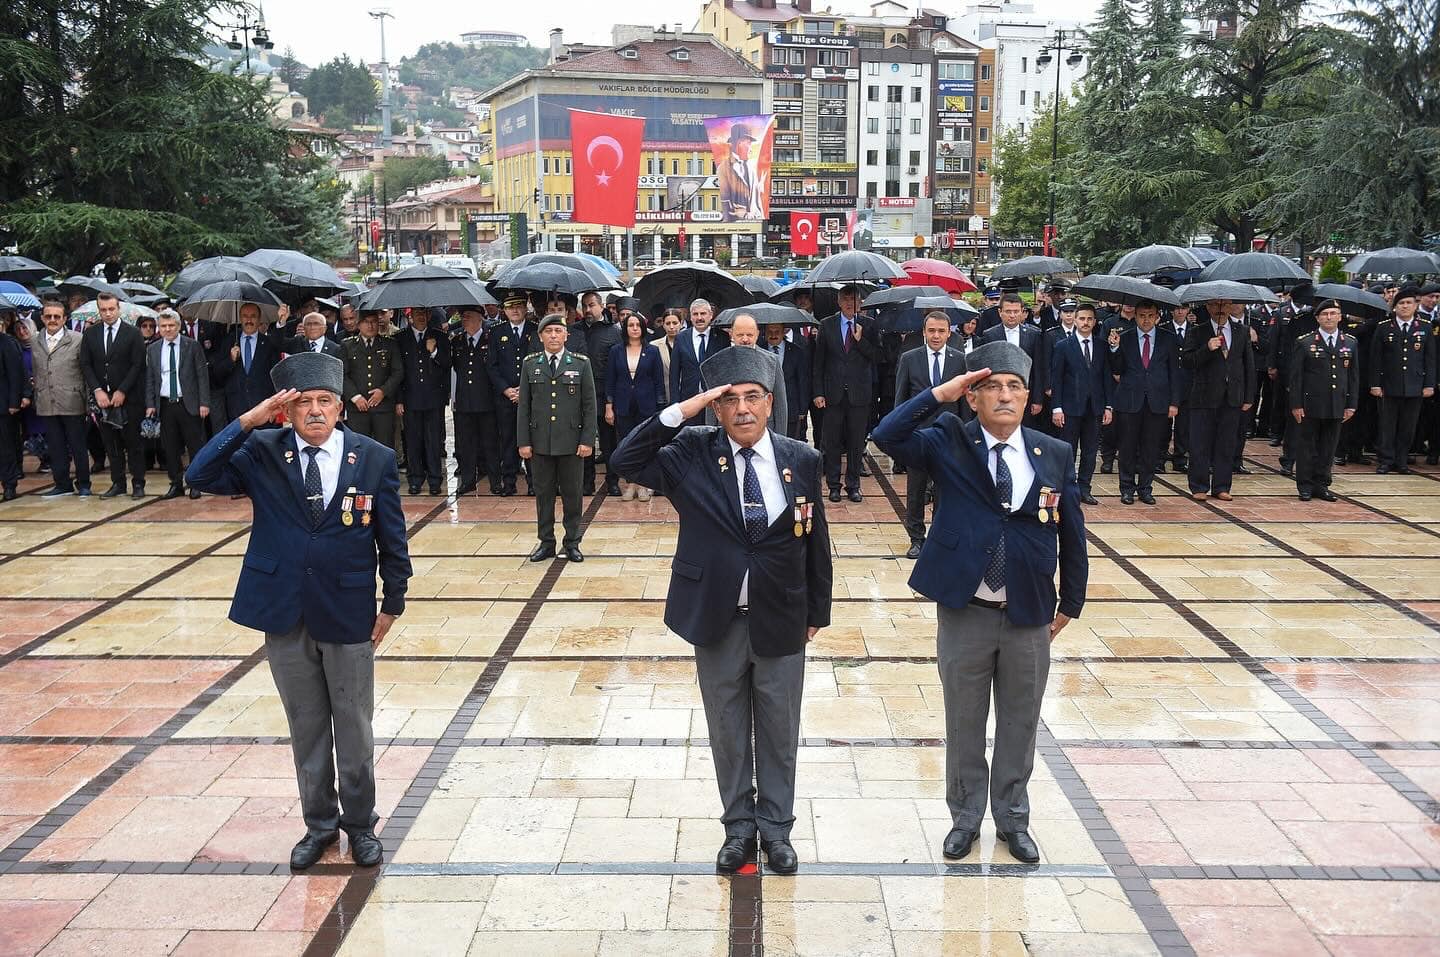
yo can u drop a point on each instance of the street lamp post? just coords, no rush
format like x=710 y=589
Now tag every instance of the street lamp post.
x=1076 y=57
x=382 y=15
x=250 y=33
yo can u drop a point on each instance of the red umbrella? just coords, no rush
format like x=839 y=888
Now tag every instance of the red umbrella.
x=934 y=272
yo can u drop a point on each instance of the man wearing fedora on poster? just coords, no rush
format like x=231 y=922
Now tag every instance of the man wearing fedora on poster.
x=326 y=516
x=737 y=177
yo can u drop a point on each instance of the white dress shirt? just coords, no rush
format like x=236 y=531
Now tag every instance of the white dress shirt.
x=1022 y=476
x=1012 y=335
x=328 y=461
x=165 y=369
x=695 y=335
x=767 y=472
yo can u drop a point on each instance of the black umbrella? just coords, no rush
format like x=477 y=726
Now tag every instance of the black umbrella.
x=824 y=298
x=1148 y=260
x=897 y=294
x=765 y=313
x=1260 y=269
x=1033 y=266
x=1215 y=289
x=1356 y=302
x=425 y=287
x=23 y=270
x=89 y=287
x=221 y=301
x=601 y=279
x=1206 y=255
x=762 y=287
x=855 y=265
x=297 y=276
x=1124 y=289
x=679 y=284
x=543 y=277
x=910 y=316
x=1394 y=261
x=203 y=272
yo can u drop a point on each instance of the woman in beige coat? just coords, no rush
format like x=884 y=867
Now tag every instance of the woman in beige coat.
x=60 y=400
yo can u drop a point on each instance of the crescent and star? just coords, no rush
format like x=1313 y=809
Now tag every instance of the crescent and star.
x=610 y=143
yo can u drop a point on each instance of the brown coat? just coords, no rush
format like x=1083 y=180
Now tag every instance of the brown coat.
x=59 y=383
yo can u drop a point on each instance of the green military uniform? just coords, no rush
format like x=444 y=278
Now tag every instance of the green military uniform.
x=556 y=415
x=1323 y=381
x=373 y=365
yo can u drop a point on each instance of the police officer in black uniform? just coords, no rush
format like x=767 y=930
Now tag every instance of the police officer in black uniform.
x=373 y=374
x=1402 y=376
x=511 y=340
x=1322 y=382
x=477 y=439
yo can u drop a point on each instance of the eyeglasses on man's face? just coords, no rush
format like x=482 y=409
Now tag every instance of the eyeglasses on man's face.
x=992 y=387
x=749 y=398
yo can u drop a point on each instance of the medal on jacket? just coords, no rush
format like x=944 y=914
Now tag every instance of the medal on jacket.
x=1047 y=501
x=363 y=504
x=799 y=512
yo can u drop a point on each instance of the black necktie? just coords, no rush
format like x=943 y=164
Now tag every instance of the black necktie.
x=109 y=338
x=314 y=490
x=995 y=571
x=935 y=370
x=554 y=366
x=1086 y=344
x=756 y=518
x=174 y=374
x=702 y=347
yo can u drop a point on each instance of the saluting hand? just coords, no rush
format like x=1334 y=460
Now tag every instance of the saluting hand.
x=696 y=404
x=268 y=409
x=952 y=390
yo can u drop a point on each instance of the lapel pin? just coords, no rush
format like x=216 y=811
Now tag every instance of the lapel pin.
x=723 y=466
x=350 y=457
x=787 y=475
x=1037 y=450
x=289 y=456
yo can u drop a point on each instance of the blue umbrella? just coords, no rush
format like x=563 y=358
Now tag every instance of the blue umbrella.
x=604 y=264
x=17 y=295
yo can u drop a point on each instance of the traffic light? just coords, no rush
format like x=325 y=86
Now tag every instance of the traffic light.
x=537 y=197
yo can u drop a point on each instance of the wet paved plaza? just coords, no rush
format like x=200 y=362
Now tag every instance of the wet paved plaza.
x=1240 y=751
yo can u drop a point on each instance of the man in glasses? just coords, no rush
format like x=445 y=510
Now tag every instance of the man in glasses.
x=1007 y=511
x=749 y=586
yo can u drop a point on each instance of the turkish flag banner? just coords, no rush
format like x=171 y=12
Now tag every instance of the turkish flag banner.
x=804 y=234
x=605 y=150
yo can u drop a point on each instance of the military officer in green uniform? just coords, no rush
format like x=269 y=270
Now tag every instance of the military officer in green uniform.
x=373 y=373
x=555 y=429
x=1323 y=386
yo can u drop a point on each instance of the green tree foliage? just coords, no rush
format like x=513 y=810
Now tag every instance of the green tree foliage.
x=1331 y=270
x=122 y=144
x=1366 y=161
x=1022 y=171
x=401 y=173
x=288 y=68
x=436 y=67
x=342 y=92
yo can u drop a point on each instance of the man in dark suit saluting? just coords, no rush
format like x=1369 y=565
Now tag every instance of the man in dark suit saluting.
x=921 y=369
x=750 y=585
x=1006 y=501
x=327 y=513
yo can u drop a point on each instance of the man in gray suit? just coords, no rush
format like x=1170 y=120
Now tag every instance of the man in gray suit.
x=177 y=387
x=60 y=400
x=920 y=369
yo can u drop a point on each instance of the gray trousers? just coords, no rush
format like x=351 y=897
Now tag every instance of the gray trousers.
x=752 y=708
x=328 y=691
x=978 y=650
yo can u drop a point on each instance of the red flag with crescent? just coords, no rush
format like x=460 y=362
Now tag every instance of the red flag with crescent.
x=804 y=233
x=605 y=151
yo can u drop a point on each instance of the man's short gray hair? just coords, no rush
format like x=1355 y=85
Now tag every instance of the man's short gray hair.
x=318 y=317
x=701 y=302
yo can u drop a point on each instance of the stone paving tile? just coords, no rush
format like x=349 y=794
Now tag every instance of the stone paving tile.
x=42 y=698
x=25 y=620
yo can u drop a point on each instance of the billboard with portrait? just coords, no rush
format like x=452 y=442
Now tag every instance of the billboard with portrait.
x=741 y=147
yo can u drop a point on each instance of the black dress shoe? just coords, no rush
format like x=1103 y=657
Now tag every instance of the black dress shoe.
x=573 y=553
x=834 y=495
x=310 y=849
x=1241 y=470
x=1021 y=847
x=434 y=490
x=1126 y=498
x=194 y=493
x=854 y=495
x=1182 y=465
x=9 y=494
x=1089 y=499
x=1304 y=496
x=1288 y=471
x=1325 y=495
x=414 y=490
x=1340 y=460
x=1278 y=441
x=466 y=489
x=780 y=857
x=1107 y=466
x=734 y=854
x=1160 y=469
x=174 y=491
x=957 y=843
x=542 y=552
x=497 y=490
x=114 y=491
x=366 y=849
x=897 y=469
x=1402 y=470
x=137 y=492
x=613 y=489
x=865 y=471
x=914 y=550
x=1379 y=470
x=1147 y=498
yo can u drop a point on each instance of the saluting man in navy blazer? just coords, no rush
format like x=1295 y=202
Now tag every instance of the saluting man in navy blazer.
x=749 y=586
x=1007 y=503
x=327 y=512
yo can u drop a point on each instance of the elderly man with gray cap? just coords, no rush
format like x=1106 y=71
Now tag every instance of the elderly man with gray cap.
x=326 y=514
x=750 y=585
x=1007 y=504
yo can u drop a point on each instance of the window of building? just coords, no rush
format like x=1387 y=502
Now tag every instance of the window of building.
x=823 y=186
x=984 y=134
x=1022 y=97
x=545 y=164
x=962 y=134
x=872 y=157
x=833 y=57
x=892 y=124
x=834 y=91
x=917 y=69
x=872 y=125
x=783 y=122
x=914 y=158
x=914 y=126
x=787 y=156
x=567 y=166
x=916 y=93
x=984 y=104
x=914 y=189
x=870 y=190
x=892 y=157
x=872 y=93
x=832 y=155
x=789 y=90
x=957 y=70
x=872 y=68
x=894 y=94
x=842 y=187
x=778 y=187
x=984 y=71
x=982 y=195
x=1021 y=127
x=832 y=124
x=650 y=166
x=892 y=187
x=1024 y=64
x=797 y=187
x=984 y=165
x=570 y=202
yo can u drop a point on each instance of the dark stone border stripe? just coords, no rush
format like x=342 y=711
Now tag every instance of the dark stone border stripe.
x=1154 y=915
x=1358 y=503
x=330 y=935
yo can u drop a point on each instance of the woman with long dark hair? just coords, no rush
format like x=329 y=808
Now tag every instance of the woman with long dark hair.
x=634 y=387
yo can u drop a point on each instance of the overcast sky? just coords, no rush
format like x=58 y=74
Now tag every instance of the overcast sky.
x=321 y=29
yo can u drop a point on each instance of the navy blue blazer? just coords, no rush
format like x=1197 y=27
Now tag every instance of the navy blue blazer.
x=325 y=576
x=1140 y=389
x=969 y=516
x=685 y=365
x=245 y=391
x=790 y=575
x=1075 y=388
x=643 y=395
